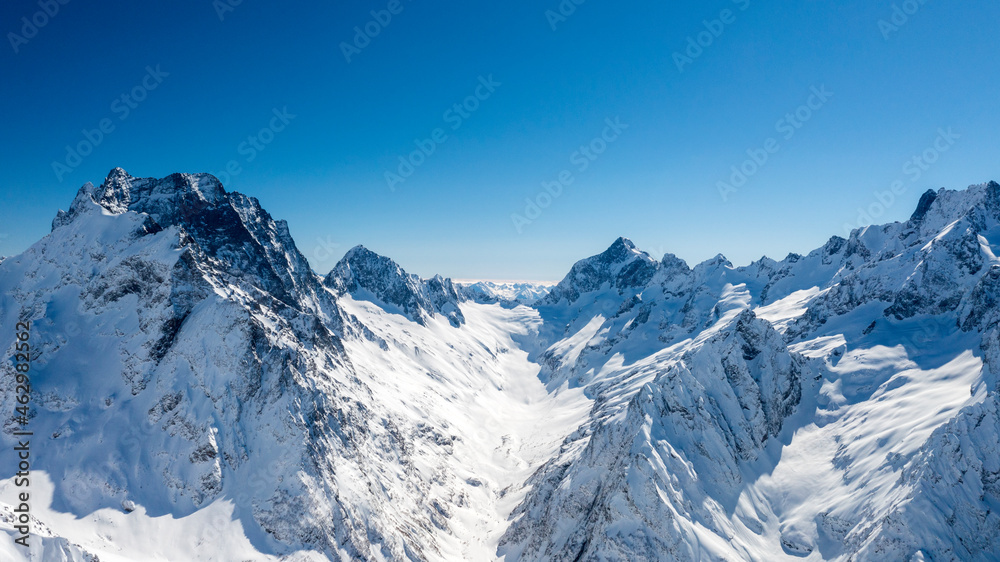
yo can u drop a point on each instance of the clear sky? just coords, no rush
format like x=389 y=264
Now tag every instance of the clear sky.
x=534 y=82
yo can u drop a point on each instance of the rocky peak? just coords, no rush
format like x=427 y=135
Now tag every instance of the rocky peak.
x=979 y=203
x=241 y=237
x=370 y=276
x=712 y=267
x=672 y=262
x=620 y=250
x=169 y=200
x=925 y=203
x=621 y=266
x=115 y=193
x=361 y=268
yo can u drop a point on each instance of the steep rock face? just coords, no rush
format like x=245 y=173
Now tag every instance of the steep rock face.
x=924 y=205
x=620 y=267
x=444 y=298
x=923 y=266
x=673 y=461
x=980 y=309
x=368 y=275
x=231 y=229
x=125 y=298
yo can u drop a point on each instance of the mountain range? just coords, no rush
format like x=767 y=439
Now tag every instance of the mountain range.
x=200 y=393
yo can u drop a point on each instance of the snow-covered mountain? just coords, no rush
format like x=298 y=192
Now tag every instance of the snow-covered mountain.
x=506 y=292
x=367 y=275
x=201 y=394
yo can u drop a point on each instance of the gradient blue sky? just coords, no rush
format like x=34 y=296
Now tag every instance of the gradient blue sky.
x=657 y=183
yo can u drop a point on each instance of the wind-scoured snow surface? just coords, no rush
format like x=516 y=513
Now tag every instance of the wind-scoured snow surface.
x=201 y=394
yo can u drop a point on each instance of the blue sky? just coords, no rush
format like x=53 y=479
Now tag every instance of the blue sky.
x=534 y=106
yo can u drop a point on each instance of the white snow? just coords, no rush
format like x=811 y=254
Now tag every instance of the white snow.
x=475 y=381
x=781 y=312
x=210 y=534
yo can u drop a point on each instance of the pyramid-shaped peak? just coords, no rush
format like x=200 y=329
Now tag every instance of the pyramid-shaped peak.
x=360 y=251
x=116 y=173
x=623 y=242
x=361 y=267
x=623 y=250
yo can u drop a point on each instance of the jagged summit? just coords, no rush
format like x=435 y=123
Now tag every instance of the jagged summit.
x=938 y=208
x=122 y=189
x=233 y=232
x=925 y=203
x=165 y=199
x=370 y=276
x=361 y=268
x=361 y=253
x=718 y=260
x=621 y=266
x=621 y=250
x=670 y=261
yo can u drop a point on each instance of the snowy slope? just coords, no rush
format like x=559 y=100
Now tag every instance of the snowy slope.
x=200 y=392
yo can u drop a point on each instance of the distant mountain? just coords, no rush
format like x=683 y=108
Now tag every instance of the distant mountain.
x=200 y=393
x=504 y=292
